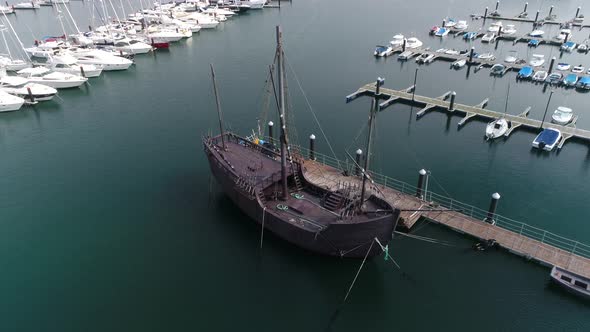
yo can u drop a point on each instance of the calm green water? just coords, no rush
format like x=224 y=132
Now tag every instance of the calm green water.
x=106 y=222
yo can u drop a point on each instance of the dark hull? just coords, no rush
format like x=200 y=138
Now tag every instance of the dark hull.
x=338 y=239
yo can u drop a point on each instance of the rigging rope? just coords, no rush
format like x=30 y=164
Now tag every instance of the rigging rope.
x=312 y=111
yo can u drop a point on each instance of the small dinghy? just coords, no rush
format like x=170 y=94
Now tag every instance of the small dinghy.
x=547 y=139
x=562 y=115
x=496 y=128
x=383 y=51
x=578 y=69
x=525 y=72
x=459 y=63
x=570 y=80
x=540 y=76
x=498 y=69
x=563 y=66
x=554 y=78
x=568 y=46
x=572 y=282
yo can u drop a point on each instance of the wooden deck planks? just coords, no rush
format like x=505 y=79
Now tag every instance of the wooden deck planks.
x=330 y=178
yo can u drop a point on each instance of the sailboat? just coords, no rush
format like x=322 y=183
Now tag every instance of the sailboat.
x=499 y=126
x=270 y=185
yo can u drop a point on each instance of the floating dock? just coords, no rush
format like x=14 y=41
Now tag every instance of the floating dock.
x=519 y=238
x=446 y=103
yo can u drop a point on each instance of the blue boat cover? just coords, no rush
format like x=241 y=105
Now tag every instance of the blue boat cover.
x=525 y=71
x=548 y=136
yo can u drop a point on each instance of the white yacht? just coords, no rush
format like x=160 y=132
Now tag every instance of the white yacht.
x=413 y=42
x=27 y=5
x=21 y=87
x=132 y=46
x=537 y=60
x=398 y=40
x=562 y=115
x=9 y=102
x=56 y=80
x=495 y=27
x=68 y=64
x=13 y=64
x=107 y=60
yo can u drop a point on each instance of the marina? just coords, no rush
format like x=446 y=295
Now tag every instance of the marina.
x=113 y=218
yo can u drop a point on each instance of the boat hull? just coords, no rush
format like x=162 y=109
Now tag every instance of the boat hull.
x=351 y=240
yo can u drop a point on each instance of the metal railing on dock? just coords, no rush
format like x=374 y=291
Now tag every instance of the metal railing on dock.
x=463 y=210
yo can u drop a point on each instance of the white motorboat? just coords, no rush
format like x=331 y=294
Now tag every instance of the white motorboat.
x=132 y=46
x=573 y=283
x=459 y=63
x=562 y=115
x=405 y=55
x=496 y=128
x=56 y=80
x=547 y=139
x=578 y=69
x=383 y=51
x=512 y=57
x=495 y=27
x=564 y=33
x=9 y=102
x=563 y=66
x=487 y=56
x=68 y=64
x=461 y=25
x=108 y=61
x=6 y=10
x=540 y=76
x=425 y=58
x=509 y=29
x=13 y=64
x=413 y=42
x=489 y=37
x=398 y=40
x=27 y=5
x=537 y=60
x=536 y=33
x=21 y=87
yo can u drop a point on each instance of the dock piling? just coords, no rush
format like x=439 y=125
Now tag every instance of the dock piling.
x=492 y=210
x=452 y=102
x=551 y=65
x=420 y=187
x=357 y=167
x=270 y=133
x=312 y=147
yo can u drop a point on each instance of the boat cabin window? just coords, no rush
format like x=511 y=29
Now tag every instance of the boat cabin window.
x=566 y=278
x=581 y=284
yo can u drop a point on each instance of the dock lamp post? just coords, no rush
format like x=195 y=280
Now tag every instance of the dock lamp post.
x=414 y=89
x=546 y=108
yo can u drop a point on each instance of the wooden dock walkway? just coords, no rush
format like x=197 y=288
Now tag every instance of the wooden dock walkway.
x=443 y=103
x=514 y=237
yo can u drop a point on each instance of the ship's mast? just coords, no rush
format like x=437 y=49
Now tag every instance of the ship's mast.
x=282 y=118
x=372 y=113
x=219 y=114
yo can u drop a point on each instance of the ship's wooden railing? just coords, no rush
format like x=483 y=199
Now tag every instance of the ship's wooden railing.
x=466 y=210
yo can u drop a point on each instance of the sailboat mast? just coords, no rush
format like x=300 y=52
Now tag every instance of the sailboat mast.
x=282 y=113
x=218 y=106
x=372 y=114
